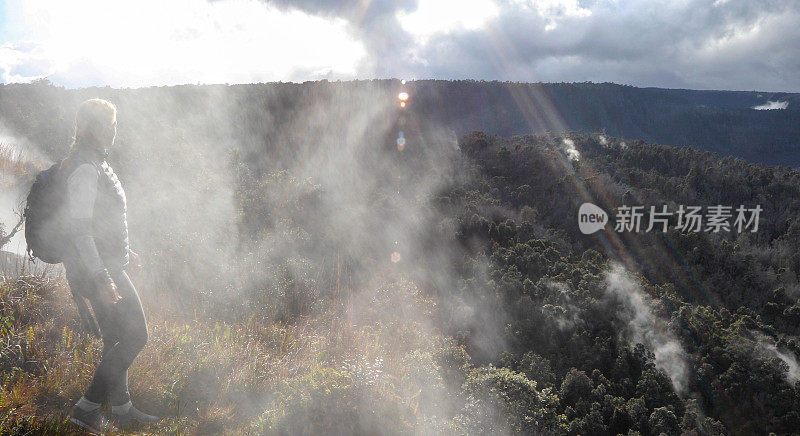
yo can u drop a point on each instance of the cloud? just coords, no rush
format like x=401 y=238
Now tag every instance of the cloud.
x=553 y=10
x=22 y=62
x=153 y=42
x=444 y=16
x=737 y=45
x=705 y=44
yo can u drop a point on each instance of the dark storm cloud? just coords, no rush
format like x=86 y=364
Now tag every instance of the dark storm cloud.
x=733 y=44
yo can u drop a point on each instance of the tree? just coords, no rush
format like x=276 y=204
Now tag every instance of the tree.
x=662 y=420
x=6 y=238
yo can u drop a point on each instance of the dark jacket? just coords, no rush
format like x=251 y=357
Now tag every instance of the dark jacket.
x=96 y=212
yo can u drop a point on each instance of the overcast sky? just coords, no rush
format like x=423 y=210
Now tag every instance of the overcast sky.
x=699 y=44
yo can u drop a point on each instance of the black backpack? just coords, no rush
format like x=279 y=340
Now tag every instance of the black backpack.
x=46 y=229
x=45 y=219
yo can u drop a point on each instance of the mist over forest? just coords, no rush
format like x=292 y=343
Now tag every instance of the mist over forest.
x=319 y=259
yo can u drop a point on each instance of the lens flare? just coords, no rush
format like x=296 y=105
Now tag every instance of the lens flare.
x=395 y=257
x=403 y=96
x=403 y=82
x=402 y=104
x=401 y=143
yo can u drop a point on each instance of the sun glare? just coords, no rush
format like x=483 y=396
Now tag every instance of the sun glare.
x=186 y=41
x=444 y=16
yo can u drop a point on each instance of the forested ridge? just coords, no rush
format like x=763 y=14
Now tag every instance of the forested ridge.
x=729 y=299
x=720 y=121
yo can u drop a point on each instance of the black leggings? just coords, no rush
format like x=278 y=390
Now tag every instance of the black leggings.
x=123 y=328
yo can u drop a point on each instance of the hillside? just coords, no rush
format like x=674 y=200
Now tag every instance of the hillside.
x=444 y=288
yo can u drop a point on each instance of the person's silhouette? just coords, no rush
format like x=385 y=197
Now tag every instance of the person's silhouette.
x=98 y=254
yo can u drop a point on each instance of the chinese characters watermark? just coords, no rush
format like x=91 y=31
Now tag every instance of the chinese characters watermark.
x=714 y=219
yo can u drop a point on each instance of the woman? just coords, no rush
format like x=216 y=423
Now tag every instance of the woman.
x=97 y=257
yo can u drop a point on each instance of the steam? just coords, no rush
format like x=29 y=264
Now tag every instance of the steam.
x=19 y=148
x=568 y=148
x=566 y=314
x=767 y=348
x=326 y=164
x=20 y=158
x=770 y=105
x=646 y=328
x=793 y=375
x=374 y=199
x=484 y=318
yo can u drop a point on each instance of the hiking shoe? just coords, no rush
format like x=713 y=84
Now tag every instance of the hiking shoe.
x=134 y=414
x=92 y=420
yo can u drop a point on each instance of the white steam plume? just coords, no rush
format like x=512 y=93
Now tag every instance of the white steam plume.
x=646 y=328
x=770 y=105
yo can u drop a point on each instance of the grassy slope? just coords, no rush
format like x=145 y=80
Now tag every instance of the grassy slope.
x=205 y=376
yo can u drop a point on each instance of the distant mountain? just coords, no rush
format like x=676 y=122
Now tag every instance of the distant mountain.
x=282 y=115
x=719 y=121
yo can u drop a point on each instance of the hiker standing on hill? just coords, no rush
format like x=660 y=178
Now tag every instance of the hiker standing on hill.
x=98 y=254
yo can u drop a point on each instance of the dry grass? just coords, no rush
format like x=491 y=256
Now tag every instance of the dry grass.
x=15 y=166
x=208 y=377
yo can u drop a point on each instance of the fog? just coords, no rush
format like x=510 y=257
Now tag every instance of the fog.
x=15 y=180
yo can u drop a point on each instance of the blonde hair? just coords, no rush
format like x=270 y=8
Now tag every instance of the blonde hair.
x=92 y=117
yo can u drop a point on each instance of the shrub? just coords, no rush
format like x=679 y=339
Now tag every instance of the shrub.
x=499 y=399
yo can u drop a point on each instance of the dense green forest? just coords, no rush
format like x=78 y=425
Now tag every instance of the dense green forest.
x=305 y=274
